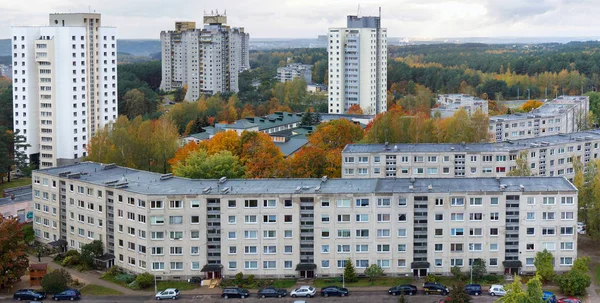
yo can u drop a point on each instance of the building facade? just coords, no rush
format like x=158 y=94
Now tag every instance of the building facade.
x=207 y=60
x=546 y=156
x=177 y=228
x=565 y=114
x=358 y=66
x=295 y=70
x=58 y=119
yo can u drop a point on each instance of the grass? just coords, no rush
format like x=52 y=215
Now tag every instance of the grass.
x=113 y=280
x=15 y=183
x=181 y=285
x=363 y=282
x=597 y=274
x=284 y=283
x=97 y=290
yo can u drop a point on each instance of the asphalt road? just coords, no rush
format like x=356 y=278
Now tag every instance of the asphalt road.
x=353 y=298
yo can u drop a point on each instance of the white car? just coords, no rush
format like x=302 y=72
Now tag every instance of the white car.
x=304 y=291
x=169 y=293
x=496 y=290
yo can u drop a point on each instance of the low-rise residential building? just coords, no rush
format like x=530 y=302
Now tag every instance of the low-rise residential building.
x=177 y=228
x=546 y=156
x=295 y=70
x=565 y=114
x=450 y=104
x=16 y=202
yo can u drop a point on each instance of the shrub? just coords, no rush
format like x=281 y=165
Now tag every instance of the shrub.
x=72 y=253
x=76 y=284
x=239 y=278
x=56 y=281
x=70 y=261
x=112 y=272
x=432 y=278
x=251 y=279
x=350 y=272
x=127 y=278
x=58 y=258
x=491 y=279
x=575 y=281
x=144 y=280
x=459 y=275
x=134 y=285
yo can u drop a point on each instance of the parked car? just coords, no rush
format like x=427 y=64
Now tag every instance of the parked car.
x=169 y=293
x=406 y=289
x=195 y=280
x=549 y=297
x=473 y=289
x=303 y=291
x=234 y=292
x=272 y=292
x=69 y=294
x=334 y=291
x=569 y=300
x=496 y=290
x=28 y=294
x=435 y=288
x=443 y=300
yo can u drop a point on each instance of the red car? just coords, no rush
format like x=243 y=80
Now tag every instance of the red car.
x=443 y=300
x=569 y=300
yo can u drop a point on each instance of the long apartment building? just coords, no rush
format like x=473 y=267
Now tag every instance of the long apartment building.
x=449 y=104
x=358 y=66
x=546 y=156
x=207 y=60
x=64 y=85
x=177 y=228
x=295 y=70
x=565 y=114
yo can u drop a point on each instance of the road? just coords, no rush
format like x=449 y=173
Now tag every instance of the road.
x=353 y=298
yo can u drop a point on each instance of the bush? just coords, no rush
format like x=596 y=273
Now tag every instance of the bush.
x=239 y=278
x=58 y=258
x=126 y=278
x=575 y=281
x=459 y=275
x=491 y=279
x=432 y=278
x=70 y=261
x=56 y=281
x=134 y=285
x=72 y=253
x=250 y=279
x=112 y=272
x=144 y=280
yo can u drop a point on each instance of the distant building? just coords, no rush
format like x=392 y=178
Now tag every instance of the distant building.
x=17 y=203
x=316 y=88
x=358 y=66
x=6 y=71
x=206 y=60
x=65 y=85
x=450 y=104
x=295 y=70
x=565 y=114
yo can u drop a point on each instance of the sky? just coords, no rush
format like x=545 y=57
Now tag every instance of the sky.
x=144 y=19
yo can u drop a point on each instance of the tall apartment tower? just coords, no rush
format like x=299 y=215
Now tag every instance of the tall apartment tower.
x=65 y=85
x=358 y=66
x=206 y=60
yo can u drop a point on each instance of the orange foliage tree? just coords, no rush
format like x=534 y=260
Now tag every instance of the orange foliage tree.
x=336 y=134
x=531 y=105
x=183 y=152
x=355 y=110
x=260 y=155
x=227 y=140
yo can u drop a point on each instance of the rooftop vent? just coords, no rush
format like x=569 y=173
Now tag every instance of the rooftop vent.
x=502 y=186
x=324 y=179
x=225 y=190
x=122 y=184
x=298 y=188
x=522 y=187
x=222 y=180
x=318 y=188
x=411 y=187
x=111 y=182
x=166 y=176
x=108 y=166
x=74 y=176
x=206 y=190
x=64 y=174
x=430 y=187
x=412 y=179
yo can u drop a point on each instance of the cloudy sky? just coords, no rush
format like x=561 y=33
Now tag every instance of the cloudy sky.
x=308 y=18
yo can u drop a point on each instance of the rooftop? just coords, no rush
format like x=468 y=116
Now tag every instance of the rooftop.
x=17 y=195
x=149 y=183
x=509 y=146
x=292 y=145
x=548 y=109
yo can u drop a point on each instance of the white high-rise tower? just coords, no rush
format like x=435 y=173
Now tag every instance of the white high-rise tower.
x=206 y=60
x=358 y=66
x=64 y=85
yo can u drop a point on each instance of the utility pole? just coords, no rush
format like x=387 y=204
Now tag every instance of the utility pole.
x=518 y=93
x=528 y=94
x=343 y=280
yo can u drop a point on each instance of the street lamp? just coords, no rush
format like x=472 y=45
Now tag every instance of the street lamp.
x=343 y=281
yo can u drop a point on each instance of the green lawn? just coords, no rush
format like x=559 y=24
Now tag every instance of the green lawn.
x=181 y=285
x=363 y=282
x=15 y=183
x=113 y=280
x=97 y=290
x=597 y=274
x=284 y=283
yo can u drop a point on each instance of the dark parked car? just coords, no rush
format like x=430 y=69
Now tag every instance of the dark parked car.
x=334 y=291
x=28 y=294
x=548 y=297
x=473 y=289
x=569 y=300
x=69 y=294
x=406 y=289
x=272 y=292
x=435 y=288
x=235 y=292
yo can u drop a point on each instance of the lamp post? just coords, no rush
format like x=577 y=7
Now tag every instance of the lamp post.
x=528 y=94
x=471 y=269
x=343 y=280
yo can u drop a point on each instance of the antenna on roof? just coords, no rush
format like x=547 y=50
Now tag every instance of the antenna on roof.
x=358 y=11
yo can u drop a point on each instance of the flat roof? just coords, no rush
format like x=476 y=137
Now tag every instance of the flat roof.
x=21 y=194
x=547 y=110
x=150 y=183
x=508 y=146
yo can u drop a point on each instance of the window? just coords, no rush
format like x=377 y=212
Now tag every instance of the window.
x=457 y=201
x=251 y=203
x=457 y=217
x=475 y=216
x=457 y=232
x=157 y=235
x=176 y=204
x=250 y=219
x=438 y=232
x=438 y=247
x=232 y=265
x=531 y=216
x=287 y=203
x=232 y=250
x=269 y=264
x=231 y=203
x=269 y=203
x=250 y=250
x=477 y=201
x=475 y=247
x=325 y=249
x=343 y=218
x=566 y=215
x=176 y=251
x=362 y=233
x=157 y=220
x=194 y=235
x=548 y=201
x=176 y=235
x=566 y=230
x=362 y=202
x=325 y=203
x=384 y=202
x=269 y=249
x=494 y=231
x=384 y=217
x=195 y=220
x=176 y=265
x=269 y=234
x=494 y=216
x=401 y=232
x=343 y=233
x=566 y=261
x=156 y=204
x=493 y=246
x=439 y=217
x=476 y=232
x=402 y=202
x=362 y=263
x=566 y=245
x=359 y=218
x=548 y=231
x=530 y=246
x=343 y=203
x=176 y=220
x=549 y=246
x=457 y=262
x=401 y=247
x=194 y=204
x=287 y=233
x=566 y=200
x=439 y=201
x=232 y=235
x=231 y=219
x=250 y=234
x=383 y=248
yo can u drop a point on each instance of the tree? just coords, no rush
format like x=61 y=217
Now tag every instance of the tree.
x=575 y=281
x=308 y=162
x=135 y=104
x=458 y=295
x=91 y=251
x=12 y=152
x=227 y=140
x=28 y=234
x=355 y=110
x=336 y=134
x=350 y=272
x=543 y=265
x=522 y=168
x=261 y=157
x=531 y=105
x=13 y=251
x=373 y=271
x=534 y=290
x=56 y=281
x=164 y=143
x=514 y=292
x=458 y=274
x=200 y=165
x=401 y=298
x=478 y=269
